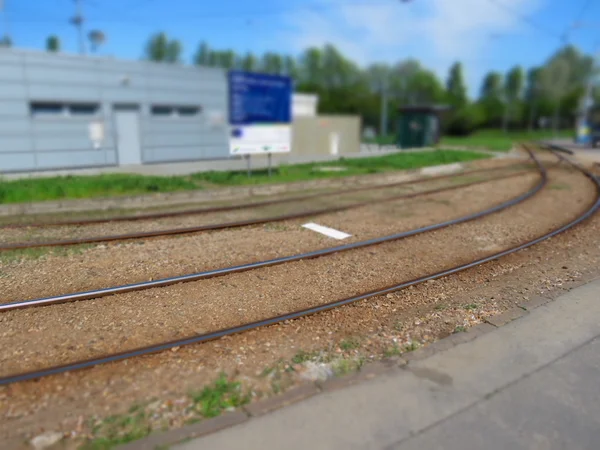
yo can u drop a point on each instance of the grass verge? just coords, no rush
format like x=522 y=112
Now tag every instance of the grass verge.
x=109 y=185
x=497 y=140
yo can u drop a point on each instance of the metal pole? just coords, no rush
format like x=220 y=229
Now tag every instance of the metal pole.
x=4 y=20
x=384 y=112
x=77 y=20
x=249 y=167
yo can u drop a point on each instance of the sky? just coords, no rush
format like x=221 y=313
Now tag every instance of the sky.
x=483 y=34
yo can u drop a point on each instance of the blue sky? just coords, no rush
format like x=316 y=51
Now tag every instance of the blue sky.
x=484 y=34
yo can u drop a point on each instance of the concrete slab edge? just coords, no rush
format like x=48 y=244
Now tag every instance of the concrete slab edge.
x=309 y=389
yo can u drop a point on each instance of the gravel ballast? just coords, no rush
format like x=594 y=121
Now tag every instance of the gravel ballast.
x=63 y=332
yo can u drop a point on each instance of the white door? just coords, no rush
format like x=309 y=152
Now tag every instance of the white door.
x=127 y=125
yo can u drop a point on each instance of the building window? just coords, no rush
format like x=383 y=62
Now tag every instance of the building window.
x=47 y=109
x=164 y=111
x=175 y=111
x=83 y=109
x=54 y=109
x=188 y=111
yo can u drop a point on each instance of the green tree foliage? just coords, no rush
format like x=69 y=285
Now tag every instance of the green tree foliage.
x=456 y=87
x=201 y=58
x=491 y=99
x=6 y=41
x=250 y=63
x=161 y=48
x=555 y=88
x=53 y=44
x=513 y=91
x=272 y=63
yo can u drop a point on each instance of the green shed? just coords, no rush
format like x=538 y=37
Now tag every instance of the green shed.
x=419 y=126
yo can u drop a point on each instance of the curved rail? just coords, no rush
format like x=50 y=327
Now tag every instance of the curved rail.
x=304 y=312
x=99 y=293
x=240 y=223
x=239 y=206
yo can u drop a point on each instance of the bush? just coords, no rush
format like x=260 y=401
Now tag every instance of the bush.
x=465 y=120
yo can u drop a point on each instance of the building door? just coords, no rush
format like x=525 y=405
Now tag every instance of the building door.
x=127 y=126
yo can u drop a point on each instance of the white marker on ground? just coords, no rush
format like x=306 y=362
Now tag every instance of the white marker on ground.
x=332 y=233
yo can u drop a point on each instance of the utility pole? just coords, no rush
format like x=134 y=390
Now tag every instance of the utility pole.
x=78 y=20
x=5 y=29
x=384 y=112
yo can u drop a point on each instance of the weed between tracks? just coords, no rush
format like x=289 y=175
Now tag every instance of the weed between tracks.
x=10 y=256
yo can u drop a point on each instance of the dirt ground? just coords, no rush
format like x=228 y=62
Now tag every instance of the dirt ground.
x=366 y=330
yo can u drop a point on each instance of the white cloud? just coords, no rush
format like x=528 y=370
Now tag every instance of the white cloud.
x=435 y=31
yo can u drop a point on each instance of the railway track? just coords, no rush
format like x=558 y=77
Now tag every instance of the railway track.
x=334 y=304
x=104 y=292
x=272 y=219
x=247 y=205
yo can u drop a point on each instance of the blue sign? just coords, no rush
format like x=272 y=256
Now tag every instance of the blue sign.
x=256 y=98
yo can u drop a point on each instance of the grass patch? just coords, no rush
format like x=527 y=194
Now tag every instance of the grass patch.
x=460 y=329
x=109 y=185
x=350 y=344
x=392 y=351
x=223 y=395
x=303 y=356
x=355 y=166
x=559 y=187
x=118 y=430
x=344 y=366
x=497 y=140
x=36 y=253
x=471 y=307
x=411 y=347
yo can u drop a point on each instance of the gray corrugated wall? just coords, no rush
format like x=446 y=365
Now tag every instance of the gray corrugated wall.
x=38 y=143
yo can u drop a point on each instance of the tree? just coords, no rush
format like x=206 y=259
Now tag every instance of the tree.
x=491 y=88
x=554 y=81
x=425 y=88
x=53 y=43
x=533 y=89
x=201 y=57
x=272 y=63
x=491 y=98
x=401 y=79
x=515 y=80
x=290 y=67
x=249 y=63
x=97 y=38
x=455 y=87
x=379 y=81
x=311 y=73
x=174 y=50
x=160 y=48
x=6 y=41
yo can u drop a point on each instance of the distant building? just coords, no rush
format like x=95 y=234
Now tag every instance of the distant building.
x=61 y=111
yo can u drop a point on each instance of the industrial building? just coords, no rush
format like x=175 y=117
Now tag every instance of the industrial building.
x=60 y=111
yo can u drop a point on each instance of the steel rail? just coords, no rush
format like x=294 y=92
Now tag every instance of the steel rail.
x=104 y=292
x=205 y=337
x=242 y=223
x=240 y=206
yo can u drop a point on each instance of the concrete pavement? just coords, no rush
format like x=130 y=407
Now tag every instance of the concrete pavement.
x=531 y=384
